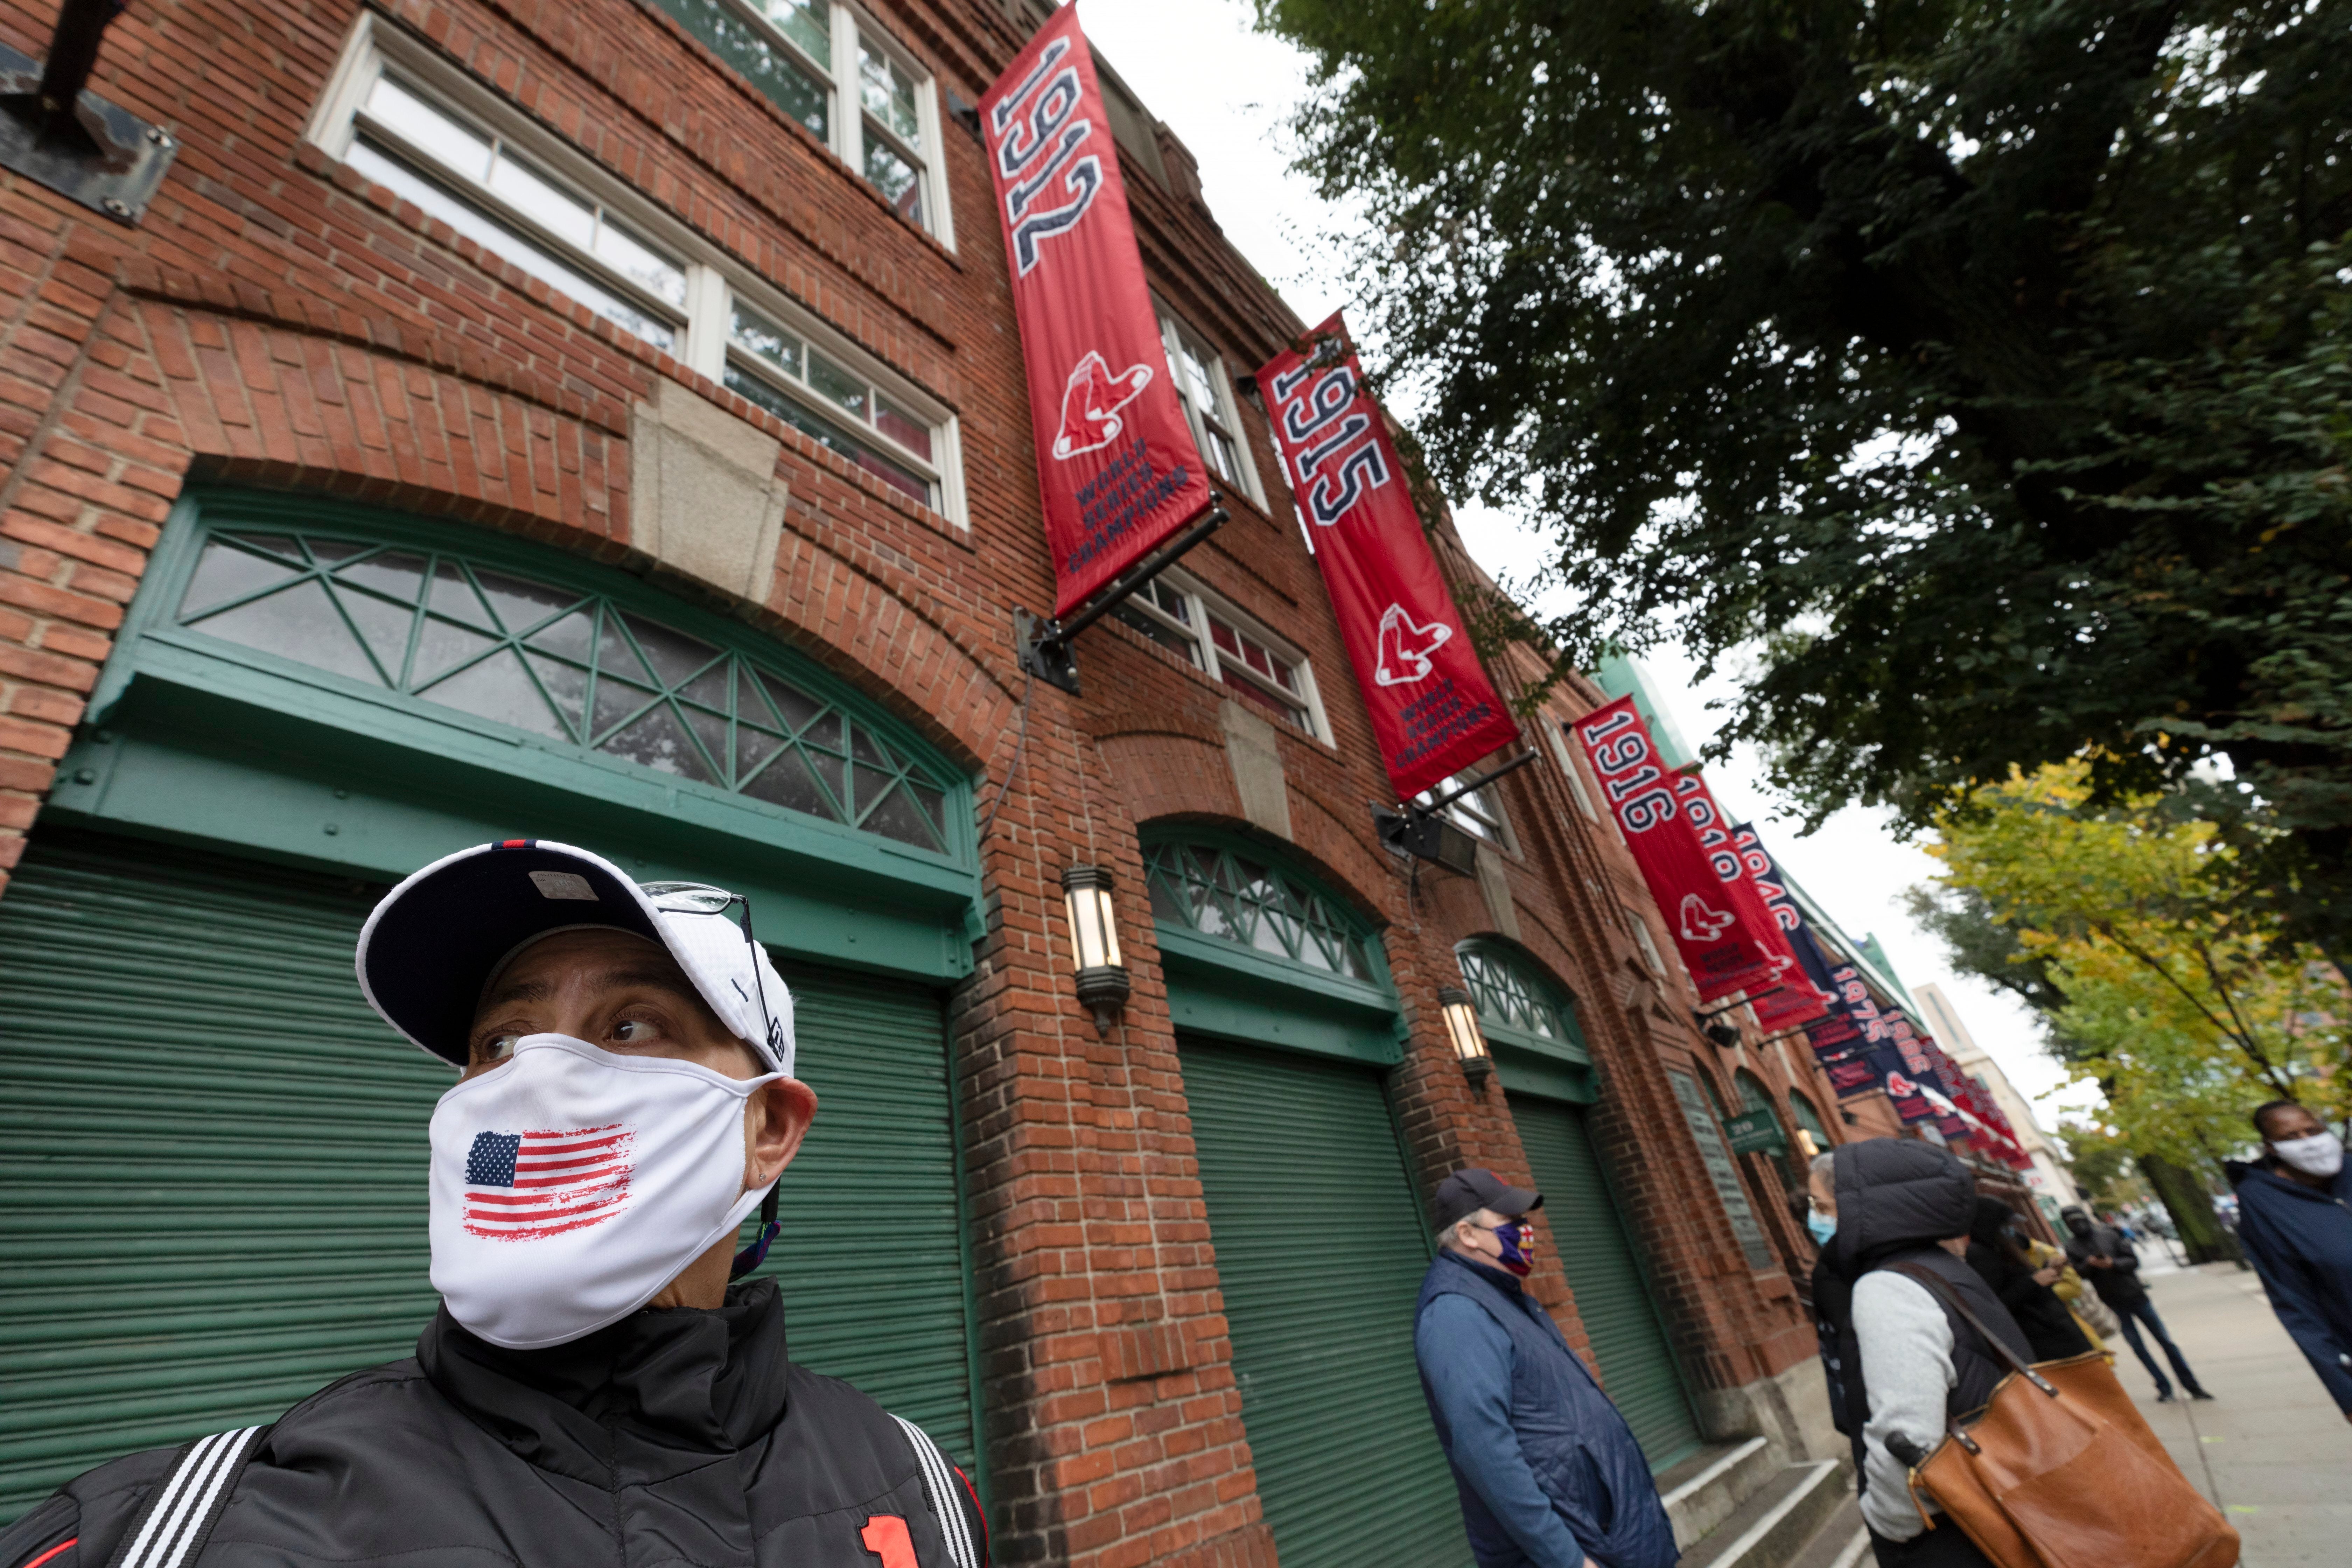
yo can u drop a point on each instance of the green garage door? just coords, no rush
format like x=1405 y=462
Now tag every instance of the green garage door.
x=1628 y=1340
x=212 y=1201
x=1320 y=1249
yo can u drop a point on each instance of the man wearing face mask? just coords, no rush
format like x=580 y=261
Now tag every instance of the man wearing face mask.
x=1548 y=1473
x=2110 y=1264
x=593 y=1387
x=2294 y=1220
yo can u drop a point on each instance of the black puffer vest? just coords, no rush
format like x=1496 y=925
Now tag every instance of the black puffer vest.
x=1896 y=1199
x=671 y=1437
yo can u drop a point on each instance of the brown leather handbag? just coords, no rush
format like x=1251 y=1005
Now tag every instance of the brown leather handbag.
x=2061 y=1470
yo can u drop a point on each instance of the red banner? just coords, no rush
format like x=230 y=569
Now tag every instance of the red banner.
x=1717 y=939
x=1433 y=710
x=1778 y=992
x=1115 y=463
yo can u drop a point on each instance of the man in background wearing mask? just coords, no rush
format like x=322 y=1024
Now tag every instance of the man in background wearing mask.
x=2111 y=1266
x=593 y=1387
x=1569 y=1487
x=2294 y=1220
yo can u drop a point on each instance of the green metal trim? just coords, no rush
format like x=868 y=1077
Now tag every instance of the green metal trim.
x=982 y=1473
x=196 y=765
x=1522 y=966
x=290 y=685
x=1545 y=1074
x=1215 y=988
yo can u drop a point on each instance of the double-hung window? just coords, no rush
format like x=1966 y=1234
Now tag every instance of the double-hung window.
x=465 y=155
x=1175 y=613
x=1207 y=394
x=828 y=66
x=476 y=182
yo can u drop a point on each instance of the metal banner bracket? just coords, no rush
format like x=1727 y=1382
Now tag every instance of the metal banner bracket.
x=1045 y=644
x=72 y=141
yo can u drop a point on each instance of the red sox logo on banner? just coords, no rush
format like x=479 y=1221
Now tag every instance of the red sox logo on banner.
x=1118 y=471
x=1090 y=405
x=1433 y=710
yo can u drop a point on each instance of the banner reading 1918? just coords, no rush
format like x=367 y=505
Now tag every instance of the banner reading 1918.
x=1115 y=462
x=1433 y=710
x=1717 y=943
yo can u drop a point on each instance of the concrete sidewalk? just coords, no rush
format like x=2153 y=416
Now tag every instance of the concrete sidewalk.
x=2271 y=1448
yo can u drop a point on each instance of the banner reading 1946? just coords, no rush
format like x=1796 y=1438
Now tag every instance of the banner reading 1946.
x=1433 y=710
x=1115 y=462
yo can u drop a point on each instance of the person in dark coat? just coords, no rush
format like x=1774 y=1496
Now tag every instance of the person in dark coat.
x=2294 y=1221
x=2110 y=1264
x=1996 y=1252
x=1548 y=1473
x=593 y=1388
x=1913 y=1364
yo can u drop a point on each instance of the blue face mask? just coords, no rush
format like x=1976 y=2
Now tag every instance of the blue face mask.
x=1519 y=1239
x=1821 y=1226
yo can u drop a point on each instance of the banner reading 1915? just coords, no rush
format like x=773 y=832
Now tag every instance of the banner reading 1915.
x=1115 y=462
x=1433 y=710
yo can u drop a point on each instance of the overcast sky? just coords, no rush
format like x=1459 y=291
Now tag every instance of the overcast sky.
x=1227 y=92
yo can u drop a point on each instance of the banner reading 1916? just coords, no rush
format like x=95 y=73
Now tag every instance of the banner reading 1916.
x=1115 y=462
x=1717 y=941
x=1433 y=710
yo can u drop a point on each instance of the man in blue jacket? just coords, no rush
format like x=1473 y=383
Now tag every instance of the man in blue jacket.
x=2294 y=1221
x=1549 y=1472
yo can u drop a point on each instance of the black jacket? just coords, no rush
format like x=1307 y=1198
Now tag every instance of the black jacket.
x=2037 y=1307
x=677 y=1436
x=2118 y=1286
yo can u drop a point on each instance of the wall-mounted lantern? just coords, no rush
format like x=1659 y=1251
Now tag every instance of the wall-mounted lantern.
x=1469 y=1041
x=1094 y=932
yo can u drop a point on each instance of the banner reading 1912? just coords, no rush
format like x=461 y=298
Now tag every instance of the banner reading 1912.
x=1115 y=462
x=1717 y=941
x=1433 y=710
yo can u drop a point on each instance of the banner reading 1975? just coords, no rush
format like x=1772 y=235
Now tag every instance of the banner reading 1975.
x=1433 y=710
x=1115 y=462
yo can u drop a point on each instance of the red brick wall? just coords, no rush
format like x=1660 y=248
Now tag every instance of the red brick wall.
x=277 y=321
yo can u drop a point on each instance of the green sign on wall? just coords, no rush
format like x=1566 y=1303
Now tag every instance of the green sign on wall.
x=1757 y=1132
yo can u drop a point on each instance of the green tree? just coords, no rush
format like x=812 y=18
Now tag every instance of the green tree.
x=2120 y=924
x=1985 y=366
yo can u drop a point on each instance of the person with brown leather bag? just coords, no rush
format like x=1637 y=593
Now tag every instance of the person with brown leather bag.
x=1970 y=1455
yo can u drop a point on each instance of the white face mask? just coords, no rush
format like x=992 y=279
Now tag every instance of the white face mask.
x=571 y=1184
x=2321 y=1154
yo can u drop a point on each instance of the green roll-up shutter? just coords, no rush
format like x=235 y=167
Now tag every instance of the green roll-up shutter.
x=1636 y=1364
x=876 y=1181
x=213 y=1200
x=1320 y=1249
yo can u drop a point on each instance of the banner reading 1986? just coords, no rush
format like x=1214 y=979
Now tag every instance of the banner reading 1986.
x=1115 y=462
x=1433 y=710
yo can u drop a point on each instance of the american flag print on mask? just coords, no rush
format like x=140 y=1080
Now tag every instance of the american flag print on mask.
x=520 y=1186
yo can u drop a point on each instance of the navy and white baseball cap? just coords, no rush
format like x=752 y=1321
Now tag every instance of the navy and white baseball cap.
x=436 y=941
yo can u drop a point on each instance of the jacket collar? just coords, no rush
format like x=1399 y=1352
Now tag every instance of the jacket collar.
x=648 y=1397
x=1501 y=1279
x=2266 y=1169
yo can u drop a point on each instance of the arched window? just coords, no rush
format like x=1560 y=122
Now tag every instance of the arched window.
x=1753 y=1095
x=1810 y=1120
x=1517 y=999
x=1221 y=891
x=563 y=652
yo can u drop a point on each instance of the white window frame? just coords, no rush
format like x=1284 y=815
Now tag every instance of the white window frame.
x=1199 y=605
x=1643 y=940
x=714 y=281
x=1557 y=733
x=838 y=76
x=1478 y=813
x=1175 y=335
